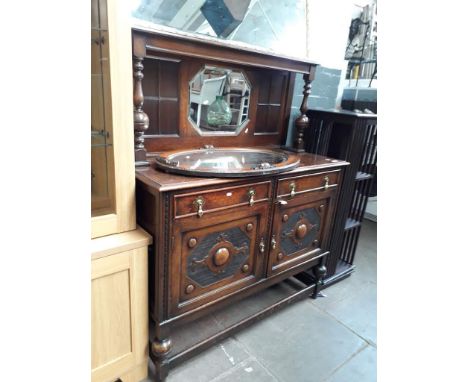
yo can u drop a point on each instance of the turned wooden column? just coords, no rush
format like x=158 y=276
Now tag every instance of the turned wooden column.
x=319 y=273
x=140 y=119
x=302 y=122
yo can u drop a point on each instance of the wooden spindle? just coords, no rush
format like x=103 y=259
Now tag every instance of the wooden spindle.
x=302 y=122
x=140 y=118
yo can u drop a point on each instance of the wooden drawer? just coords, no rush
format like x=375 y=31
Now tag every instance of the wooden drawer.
x=208 y=201
x=304 y=184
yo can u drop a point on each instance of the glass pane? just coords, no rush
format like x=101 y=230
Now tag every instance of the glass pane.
x=102 y=201
x=279 y=26
x=219 y=101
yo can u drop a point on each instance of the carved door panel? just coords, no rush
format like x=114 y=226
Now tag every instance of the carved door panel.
x=216 y=255
x=299 y=232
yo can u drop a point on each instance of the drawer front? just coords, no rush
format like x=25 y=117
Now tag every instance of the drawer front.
x=205 y=202
x=217 y=259
x=300 y=231
x=306 y=184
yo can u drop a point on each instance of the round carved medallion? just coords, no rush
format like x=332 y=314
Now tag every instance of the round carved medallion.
x=221 y=256
x=301 y=231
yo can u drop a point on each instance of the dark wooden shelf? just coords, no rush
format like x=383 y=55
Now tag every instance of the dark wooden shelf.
x=352 y=137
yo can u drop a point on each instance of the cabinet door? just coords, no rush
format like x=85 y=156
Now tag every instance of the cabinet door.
x=300 y=229
x=216 y=255
x=112 y=162
x=119 y=315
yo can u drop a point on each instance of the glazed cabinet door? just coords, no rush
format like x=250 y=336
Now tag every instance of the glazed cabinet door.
x=112 y=160
x=216 y=255
x=300 y=231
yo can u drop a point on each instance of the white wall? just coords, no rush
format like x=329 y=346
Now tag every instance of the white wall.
x=328 y=26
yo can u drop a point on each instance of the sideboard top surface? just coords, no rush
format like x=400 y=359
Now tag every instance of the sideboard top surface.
x=163 y=181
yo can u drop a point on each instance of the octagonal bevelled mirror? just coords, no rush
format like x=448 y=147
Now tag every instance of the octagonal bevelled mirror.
x=219 y=101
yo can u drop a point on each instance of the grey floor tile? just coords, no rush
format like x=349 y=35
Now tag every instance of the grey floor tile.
x=249 y=370
x=300 y=343
x=208 y=365
x=366 y=270
x=368 y=238
x=366 y=253
x=343 y=290
x=361 y=368
x=353 y=301
x=358 y=312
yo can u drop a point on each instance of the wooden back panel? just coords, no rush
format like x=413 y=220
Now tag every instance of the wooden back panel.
x=171 y=61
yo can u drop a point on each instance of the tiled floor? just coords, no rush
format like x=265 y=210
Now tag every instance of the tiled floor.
x=331 y=339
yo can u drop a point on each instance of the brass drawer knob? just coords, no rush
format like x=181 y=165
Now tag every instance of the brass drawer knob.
x=251 y=195
x=189 y=289
x=198 y=203
x=285 y=217
x=192 y=242
x=249 y=227
x=292 y=188
x=280 y=256
x=326 y=179
x=315 y=243
x=245 y=268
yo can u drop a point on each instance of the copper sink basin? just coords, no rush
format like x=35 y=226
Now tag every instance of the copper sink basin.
x=227 y=162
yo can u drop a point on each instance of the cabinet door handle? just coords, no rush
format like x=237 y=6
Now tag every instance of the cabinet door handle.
x=198 y=203
x=273 y=243
x=262 y=246
x=292 y=188
x=251 y=195
x=326 y=180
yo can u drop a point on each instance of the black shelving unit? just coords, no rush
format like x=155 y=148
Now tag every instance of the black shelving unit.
x=350 y=136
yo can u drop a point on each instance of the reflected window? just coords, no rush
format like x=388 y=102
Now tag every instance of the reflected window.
x=279 y=26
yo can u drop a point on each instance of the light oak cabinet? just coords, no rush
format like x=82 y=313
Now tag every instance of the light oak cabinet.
x=119 y=309
x=119 y=260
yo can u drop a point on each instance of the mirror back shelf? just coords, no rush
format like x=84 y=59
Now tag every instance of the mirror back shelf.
x=196 y=93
